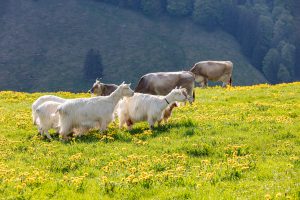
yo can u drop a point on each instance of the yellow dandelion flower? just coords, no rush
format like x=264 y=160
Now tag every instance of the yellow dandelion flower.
x=278 y=195
x=268 y=197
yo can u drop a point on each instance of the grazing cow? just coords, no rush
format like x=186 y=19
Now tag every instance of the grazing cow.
x=147 y=107
x=162 y=83
x=101 y=89
x=87 y=113
x=213 y=71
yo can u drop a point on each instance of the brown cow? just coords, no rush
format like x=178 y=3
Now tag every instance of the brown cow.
x=101 y=89
x=213 y=71
x=161 y=83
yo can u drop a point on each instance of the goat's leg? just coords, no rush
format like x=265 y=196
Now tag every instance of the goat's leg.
x=151 y=122
x=103 y=126
x=48 y=135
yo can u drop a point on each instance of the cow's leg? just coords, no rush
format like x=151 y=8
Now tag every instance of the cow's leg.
x=224 y=84
x=226 y=79
x=205 y=81
x=191 y=93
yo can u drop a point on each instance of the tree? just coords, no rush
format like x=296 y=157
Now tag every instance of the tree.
x=263 y=38
x=288 y=57
x=271 y=65
x=247 y=26
x=152 y=7
x=283 y=28
x=207 y=13
x=229 y=16
x=179 y=7
x=283 y=74
x=93 y=65
x=133 y=4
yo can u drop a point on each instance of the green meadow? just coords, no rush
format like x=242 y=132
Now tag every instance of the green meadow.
x=232 y=143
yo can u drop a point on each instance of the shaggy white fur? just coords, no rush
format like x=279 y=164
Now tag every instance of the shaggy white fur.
x=146 y=107
x=40 y=101
x=86 y=113
x=47 y=117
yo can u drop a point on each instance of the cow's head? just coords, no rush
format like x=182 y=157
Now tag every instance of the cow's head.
x=97 y=88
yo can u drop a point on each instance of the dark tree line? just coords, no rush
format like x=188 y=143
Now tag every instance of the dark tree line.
x=264 y=28
x=92 y=67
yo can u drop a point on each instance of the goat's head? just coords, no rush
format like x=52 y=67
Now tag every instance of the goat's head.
x=126 y=90
x=179 y=94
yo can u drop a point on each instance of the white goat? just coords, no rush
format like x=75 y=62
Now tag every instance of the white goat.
x=47 y=117
x=41 y=100
x=146 y=107
x=86 y=113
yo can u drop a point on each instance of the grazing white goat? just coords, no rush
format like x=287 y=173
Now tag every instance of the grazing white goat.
x=86 y=113
x=146 y=107
x=47 y=117
x=41 y=100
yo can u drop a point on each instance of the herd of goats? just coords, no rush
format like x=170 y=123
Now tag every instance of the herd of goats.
x=152 y=100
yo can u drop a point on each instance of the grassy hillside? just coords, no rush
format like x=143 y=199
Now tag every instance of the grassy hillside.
x=234 y=143
x=43 y=45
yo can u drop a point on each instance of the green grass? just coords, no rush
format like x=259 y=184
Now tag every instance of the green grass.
x=233 y=143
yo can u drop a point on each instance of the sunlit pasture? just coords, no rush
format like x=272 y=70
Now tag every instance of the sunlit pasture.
x=232 y=143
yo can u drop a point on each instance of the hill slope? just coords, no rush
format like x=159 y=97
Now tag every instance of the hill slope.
x=43 y=45
x=234 y=143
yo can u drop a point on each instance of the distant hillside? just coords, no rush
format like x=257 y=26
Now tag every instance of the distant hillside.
x=43 y=45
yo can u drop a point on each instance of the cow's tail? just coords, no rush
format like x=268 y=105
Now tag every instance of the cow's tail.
x=140 y=85
x=194 y=95
x=230 y=81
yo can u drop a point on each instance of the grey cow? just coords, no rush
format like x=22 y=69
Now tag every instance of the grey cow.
x=161 y=83
x=102 y=89
x=213 y=71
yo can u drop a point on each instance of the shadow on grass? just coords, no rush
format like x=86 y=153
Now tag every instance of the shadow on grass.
x=113 y=134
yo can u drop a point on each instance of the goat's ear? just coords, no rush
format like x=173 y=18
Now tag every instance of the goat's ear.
x=176 y=87
x=180 y=87
x=129 y=84
x=123 y=83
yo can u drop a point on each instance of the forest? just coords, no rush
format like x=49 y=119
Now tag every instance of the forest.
x=267 y=30
x=55 y=46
